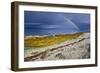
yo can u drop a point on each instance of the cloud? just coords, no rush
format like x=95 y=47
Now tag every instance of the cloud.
x=51 y=22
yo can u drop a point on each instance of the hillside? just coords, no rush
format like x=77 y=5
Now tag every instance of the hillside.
x=43 y=41
x=77 y=46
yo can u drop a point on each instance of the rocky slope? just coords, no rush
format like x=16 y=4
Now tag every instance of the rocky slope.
x=71 y=49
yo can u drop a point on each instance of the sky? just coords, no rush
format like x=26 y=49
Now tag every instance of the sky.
x=54 y=23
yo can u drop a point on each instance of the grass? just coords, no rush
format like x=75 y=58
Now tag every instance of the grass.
x=39 y=42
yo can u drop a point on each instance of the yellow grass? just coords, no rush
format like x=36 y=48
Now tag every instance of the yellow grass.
x=39 y=42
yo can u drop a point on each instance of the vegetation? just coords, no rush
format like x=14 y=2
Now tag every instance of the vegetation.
x=39 y=42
